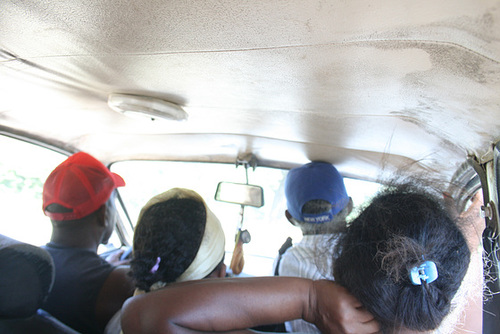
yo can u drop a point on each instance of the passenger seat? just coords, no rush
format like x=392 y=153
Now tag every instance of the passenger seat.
x=27 y=275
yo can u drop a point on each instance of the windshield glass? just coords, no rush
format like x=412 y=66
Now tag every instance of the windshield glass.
x=267 y=225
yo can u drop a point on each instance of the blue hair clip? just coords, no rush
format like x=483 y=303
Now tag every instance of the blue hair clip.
x=426 y=272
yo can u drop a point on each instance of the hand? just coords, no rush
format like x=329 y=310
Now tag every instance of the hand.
x=334 y=310
x=115 y=260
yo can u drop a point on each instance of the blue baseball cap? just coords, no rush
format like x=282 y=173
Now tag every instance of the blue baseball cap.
x=315 y=181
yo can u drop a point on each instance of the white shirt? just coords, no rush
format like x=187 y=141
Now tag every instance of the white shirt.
x=311 y=258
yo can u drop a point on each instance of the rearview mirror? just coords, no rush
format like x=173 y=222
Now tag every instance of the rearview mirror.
x=240 y=193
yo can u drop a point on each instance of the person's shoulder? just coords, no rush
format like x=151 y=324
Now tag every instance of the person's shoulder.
x=295 y=262
x=305 y=248
x=120 y=279
x=115 y=290
x=94 y=259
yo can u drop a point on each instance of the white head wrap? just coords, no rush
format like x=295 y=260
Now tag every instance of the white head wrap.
x=211 y=250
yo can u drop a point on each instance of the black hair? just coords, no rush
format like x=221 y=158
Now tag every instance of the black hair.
x=398 y=230
x=172 y=231
x=57 y=208
x=317 y=206
x=73 y=224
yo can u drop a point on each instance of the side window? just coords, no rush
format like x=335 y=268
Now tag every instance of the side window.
x=23 y=170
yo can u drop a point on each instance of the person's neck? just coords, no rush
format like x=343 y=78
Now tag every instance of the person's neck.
x=75 y=240
x=313 y=233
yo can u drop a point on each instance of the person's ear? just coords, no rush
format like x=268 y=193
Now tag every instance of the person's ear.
x=290 y=218
x=218 y=272
x=346 y=210
x=222 y=271
x=100 y=215
x=350 y=206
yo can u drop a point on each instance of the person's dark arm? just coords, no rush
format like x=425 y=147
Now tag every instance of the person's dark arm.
x=217 y=305
x=115 y=290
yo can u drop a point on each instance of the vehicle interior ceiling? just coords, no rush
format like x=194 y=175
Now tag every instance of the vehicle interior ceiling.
x=368 y=87
x=372 y=87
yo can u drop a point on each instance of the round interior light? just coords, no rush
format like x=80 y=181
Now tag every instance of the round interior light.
x=146 y=107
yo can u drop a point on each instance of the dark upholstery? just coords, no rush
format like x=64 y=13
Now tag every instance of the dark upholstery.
x=27 y=275
x=41 y=323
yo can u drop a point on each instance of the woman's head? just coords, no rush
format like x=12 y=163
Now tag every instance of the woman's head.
x=177 y=238
x=400 y=230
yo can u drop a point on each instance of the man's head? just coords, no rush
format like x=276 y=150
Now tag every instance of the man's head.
x=316 y=194
x=79 y=187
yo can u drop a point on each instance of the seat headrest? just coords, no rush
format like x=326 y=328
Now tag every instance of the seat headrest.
x=26 y=279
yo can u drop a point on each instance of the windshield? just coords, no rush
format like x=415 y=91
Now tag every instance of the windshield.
x=267 y=225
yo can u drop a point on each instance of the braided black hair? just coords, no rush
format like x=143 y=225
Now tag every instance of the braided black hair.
x=172 y=231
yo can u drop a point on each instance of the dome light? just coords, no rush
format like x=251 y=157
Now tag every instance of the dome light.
x=139 y=106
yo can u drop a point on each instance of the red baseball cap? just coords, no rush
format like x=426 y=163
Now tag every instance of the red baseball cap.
x=81 y=184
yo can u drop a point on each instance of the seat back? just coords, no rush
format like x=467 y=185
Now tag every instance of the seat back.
x=26 y=279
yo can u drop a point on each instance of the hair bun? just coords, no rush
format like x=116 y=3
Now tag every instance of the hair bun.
x=398 y=255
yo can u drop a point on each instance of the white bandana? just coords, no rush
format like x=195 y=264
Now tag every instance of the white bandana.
x=211 y=250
